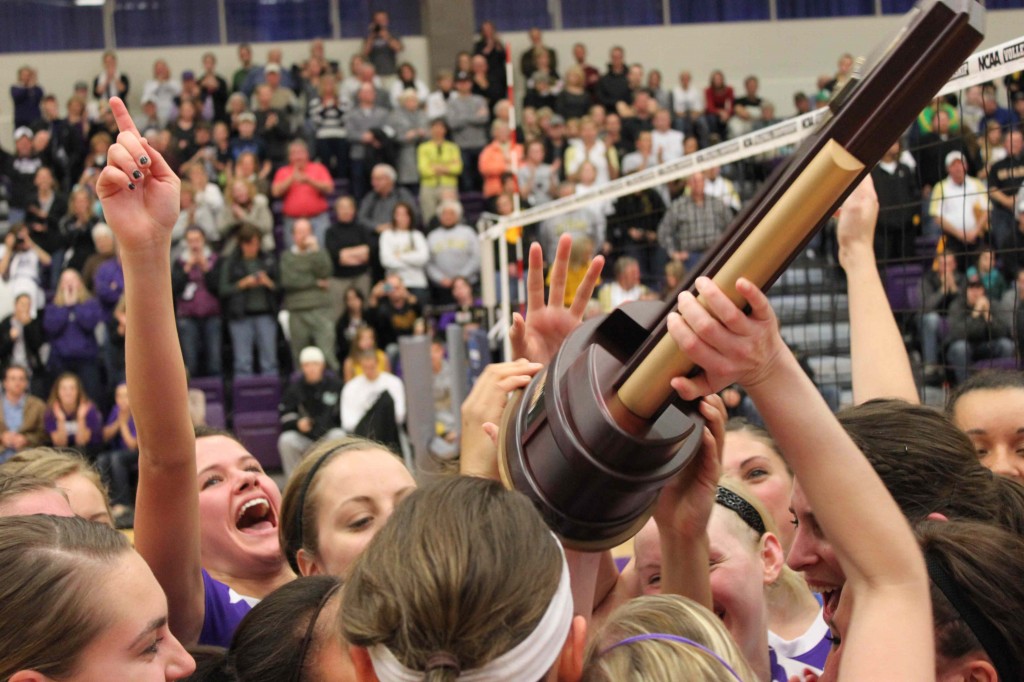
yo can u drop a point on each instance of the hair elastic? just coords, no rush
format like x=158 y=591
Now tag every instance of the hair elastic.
x=744 y=509
x=443 y=659
x=656 y=636
x=531 y=659
x=991 y=640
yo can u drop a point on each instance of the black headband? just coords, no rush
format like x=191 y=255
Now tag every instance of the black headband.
x=345 y=444
x=300 y=508
x=991 y=640
x=744 y=509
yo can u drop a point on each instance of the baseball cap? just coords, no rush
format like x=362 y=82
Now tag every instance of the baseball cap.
x=462 y=76
x=272 y=68
x=189 y=75
x=22 y=131
x=311 y=354
x=247 y=116
x=557 y=120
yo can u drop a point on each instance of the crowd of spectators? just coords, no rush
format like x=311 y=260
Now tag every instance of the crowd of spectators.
x=912 y=516
x=331 y=196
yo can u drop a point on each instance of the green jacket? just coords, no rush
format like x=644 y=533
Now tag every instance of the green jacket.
x=299 y=275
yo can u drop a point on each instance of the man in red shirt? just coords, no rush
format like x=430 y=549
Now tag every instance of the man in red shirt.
x=304 y=185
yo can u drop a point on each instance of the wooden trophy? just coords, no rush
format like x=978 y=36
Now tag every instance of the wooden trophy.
x=594 y=437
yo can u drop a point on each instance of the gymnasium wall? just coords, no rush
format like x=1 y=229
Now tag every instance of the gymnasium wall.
x=786 y=55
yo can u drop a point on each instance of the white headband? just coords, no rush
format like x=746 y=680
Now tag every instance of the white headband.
x=531 y=659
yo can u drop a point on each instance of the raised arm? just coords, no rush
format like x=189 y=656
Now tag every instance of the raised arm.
x=540 y=334
x=890 y=634
x=140 y=193
x=684 y=509
x=881 y=367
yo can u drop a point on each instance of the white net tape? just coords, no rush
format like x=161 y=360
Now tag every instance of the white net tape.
x=981 y=67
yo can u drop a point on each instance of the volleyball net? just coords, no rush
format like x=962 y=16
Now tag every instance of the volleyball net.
x=924 y=214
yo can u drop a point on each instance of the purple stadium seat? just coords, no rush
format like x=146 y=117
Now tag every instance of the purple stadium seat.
x=903 y=287
x=256 y=394
x=995 y=363
x=926 y=244
x=258 y=432
x=472 y=206
x=215 y=415
x=213 y=387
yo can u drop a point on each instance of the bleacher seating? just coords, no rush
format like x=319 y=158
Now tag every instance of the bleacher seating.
x=255 y=394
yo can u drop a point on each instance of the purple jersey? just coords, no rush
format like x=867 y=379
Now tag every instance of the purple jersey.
x=225 y=609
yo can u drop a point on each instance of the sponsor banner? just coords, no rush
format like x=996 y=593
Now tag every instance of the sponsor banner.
x=995 y=62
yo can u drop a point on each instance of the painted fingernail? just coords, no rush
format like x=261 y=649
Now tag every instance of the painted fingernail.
x=131 y=185
x=143 y=160
x=137 y=175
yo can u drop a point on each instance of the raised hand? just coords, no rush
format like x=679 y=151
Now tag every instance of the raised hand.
x=481 y=411
x=539 y=336
x=684 y=505
x=857 y=218
x=137 y=188
x=729 y=346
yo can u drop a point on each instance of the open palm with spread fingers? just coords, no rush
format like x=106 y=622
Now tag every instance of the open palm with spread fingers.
x=138 y=189
x=539 y=336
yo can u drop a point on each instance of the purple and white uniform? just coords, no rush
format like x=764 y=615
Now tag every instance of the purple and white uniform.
x=809 y=650
x=225 y=609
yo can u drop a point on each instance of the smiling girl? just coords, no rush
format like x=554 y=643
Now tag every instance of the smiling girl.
x=206 y=513
x=98 y=613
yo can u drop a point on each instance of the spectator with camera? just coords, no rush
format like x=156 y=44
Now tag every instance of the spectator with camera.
x=21 y=265
x=381 y=46
x=195 y=282
x=22 y=339
x=248 y=290
x=974 y=332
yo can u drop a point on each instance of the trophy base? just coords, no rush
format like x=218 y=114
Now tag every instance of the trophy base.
x=591 y=467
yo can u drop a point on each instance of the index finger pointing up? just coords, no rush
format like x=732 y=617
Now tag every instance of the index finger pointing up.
x=124 y=120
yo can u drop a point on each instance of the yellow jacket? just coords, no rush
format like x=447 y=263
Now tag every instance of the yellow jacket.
x=429 y=154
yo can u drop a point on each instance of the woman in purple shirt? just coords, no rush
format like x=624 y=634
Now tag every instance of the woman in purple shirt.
x=71 y=419
x=121 y=454
x=70 y=326
x=215 y=551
